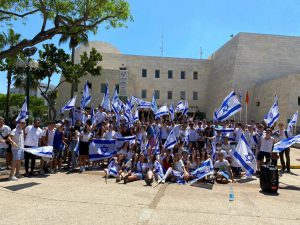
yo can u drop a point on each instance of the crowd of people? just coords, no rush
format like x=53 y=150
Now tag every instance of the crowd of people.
x=196 y=141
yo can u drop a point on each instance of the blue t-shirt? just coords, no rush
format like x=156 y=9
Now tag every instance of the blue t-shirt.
x=57 y=140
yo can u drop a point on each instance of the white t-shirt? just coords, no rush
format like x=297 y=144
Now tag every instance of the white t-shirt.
x=50 y=136
x=164 y=132
x=227 y=147
x=18 y=137
x=266 y=145
x=109 y=134
x=223 y=166
x=4 y=131
x=178 y=166
x=85 y=137
x=193 y=135
x=100 y=116
x=33 y=135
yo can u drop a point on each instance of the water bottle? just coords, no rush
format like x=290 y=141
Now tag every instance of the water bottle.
x=231 y=194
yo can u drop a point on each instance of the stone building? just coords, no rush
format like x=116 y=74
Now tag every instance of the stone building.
x=264 y=65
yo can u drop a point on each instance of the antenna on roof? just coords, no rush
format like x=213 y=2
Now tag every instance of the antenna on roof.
x=201 y=52
x=162 y=43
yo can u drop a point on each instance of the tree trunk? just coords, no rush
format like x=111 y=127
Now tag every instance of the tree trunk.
x=51 y=104
x=9 y=75
x=73 y=62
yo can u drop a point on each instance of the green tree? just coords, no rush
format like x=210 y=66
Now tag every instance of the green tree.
x=60 y=17
x=10 y=63
x=53 y=61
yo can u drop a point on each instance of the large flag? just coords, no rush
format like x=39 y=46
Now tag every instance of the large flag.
x=244 y=156
x=105 y=101
x=230 y=106
x=45 y=151
x=180 y=106
x=280 y=146
x=102 y=149
x=120 y=141
x=162 y=111
x=293 y=122
x=23 y=114
x=186 y=108
x=153 y=104
x=273 y=115
x=205 y=169
x=86 y=96
x=172 y=112
x=171 y=141
x=69 y=105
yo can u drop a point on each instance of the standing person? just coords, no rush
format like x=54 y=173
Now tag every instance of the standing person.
x=58 y=147
x=282 y=134
x=33 y=136
x=17 y=140
x=5 y=146
x=265 y=148
x=84 y=142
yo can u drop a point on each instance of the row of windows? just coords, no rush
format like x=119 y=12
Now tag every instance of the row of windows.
x=170 y=74
x=169 y=94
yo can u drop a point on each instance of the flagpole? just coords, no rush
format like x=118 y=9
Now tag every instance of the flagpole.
x=246 y=113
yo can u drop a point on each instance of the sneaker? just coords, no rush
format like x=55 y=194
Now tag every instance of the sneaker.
x=13 y=178
x=18 y=176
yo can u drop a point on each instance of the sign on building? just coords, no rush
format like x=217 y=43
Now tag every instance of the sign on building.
x=123 y=82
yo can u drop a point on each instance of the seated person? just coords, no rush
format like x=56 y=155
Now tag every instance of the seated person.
x=223 y=170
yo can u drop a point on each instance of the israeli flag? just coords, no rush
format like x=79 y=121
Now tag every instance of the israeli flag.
x=23 y=114
x=224 y=130
x=230 y=106
x=86 y=96
x=136 y=116
x=273 y=114
x=128 y=113
x=45 y=151
x=120 y=141
x=156 y=150
x=244 y=156
x=92 y=113
x=69 y=105
x=112 y=167
x=144 y=104
x=280 y=146
x=205 y=169
x=172 y=111
x=186 y=108
x=293 y=122
x=158 y=170
x=162 y=111
x=153 y=103
x=100 y=149
x=180 y=106
x=171 y=141
x=115 y=97
x=105 y=101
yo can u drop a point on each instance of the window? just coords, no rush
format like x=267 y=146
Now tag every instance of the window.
x=258 y=103
x=170 y=94
x=157 y=73
x=182 y=75
x=144 y=93
x=103 y=88
x=298 y=100
x=144 y=72
x=182 y=95
x=156 y=94
x=195 y=95
x=170 y=74
x=195 y=75
x=117 y=87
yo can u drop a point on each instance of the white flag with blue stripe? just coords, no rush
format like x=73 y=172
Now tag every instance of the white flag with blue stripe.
x=171 y=141
x=205 y=169
x=112 y=167
x=293 y=122
x=69 y=105
x=273 y=115
x=106 y=101
x=86 y=96
x=153 y=104
x=135 y=116
x=45 y=151
x=115 y=97
x=23 y=114
x=172 y=111
x=244 y=156
x=230 y=106
x=180 y=106
x=162 y=111
x=286 y=143
x=186 y=108
x=120 y=141
x=102 y=149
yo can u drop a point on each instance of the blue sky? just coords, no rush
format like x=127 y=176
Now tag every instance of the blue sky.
x=187 y=26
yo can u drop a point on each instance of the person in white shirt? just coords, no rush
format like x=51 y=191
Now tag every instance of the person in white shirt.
x=32 y=139
x=265 y=148
x=223 y=170
x=4 y=146
x=17 y=141
x=100 y=116
x=282 y=134
x=110 y=134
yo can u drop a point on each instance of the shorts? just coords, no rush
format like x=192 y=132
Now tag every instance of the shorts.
x=57 y=153
x=84 y=148
x=18 y=154
x=261 y=155
x=139 y=175
x=224 y=174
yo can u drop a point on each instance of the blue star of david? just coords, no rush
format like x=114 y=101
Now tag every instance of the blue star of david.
x=104 y=149
x=271 y=115
x=249 y=158
x=225 y=108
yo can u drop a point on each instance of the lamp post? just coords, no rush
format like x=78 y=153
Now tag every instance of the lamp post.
x=28 y=52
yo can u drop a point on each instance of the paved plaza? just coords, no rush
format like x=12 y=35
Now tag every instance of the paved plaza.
x=86 y=199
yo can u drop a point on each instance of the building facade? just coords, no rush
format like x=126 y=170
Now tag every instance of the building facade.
x=264 y=65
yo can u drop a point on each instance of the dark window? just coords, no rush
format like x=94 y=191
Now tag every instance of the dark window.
x=182 y=75
x=258 y=103
x=103 y=88
x=170 y=94
x=144 y=93
x=298 y=100
x=117 y=87
x=195 y=75
x=156 y=94
x=144 y=72
x=170 y=74
x=195 y=95
x=157 y=73
x=182 y=95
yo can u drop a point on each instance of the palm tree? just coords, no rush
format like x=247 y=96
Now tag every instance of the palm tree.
x=9 y=40
x=74 y=40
